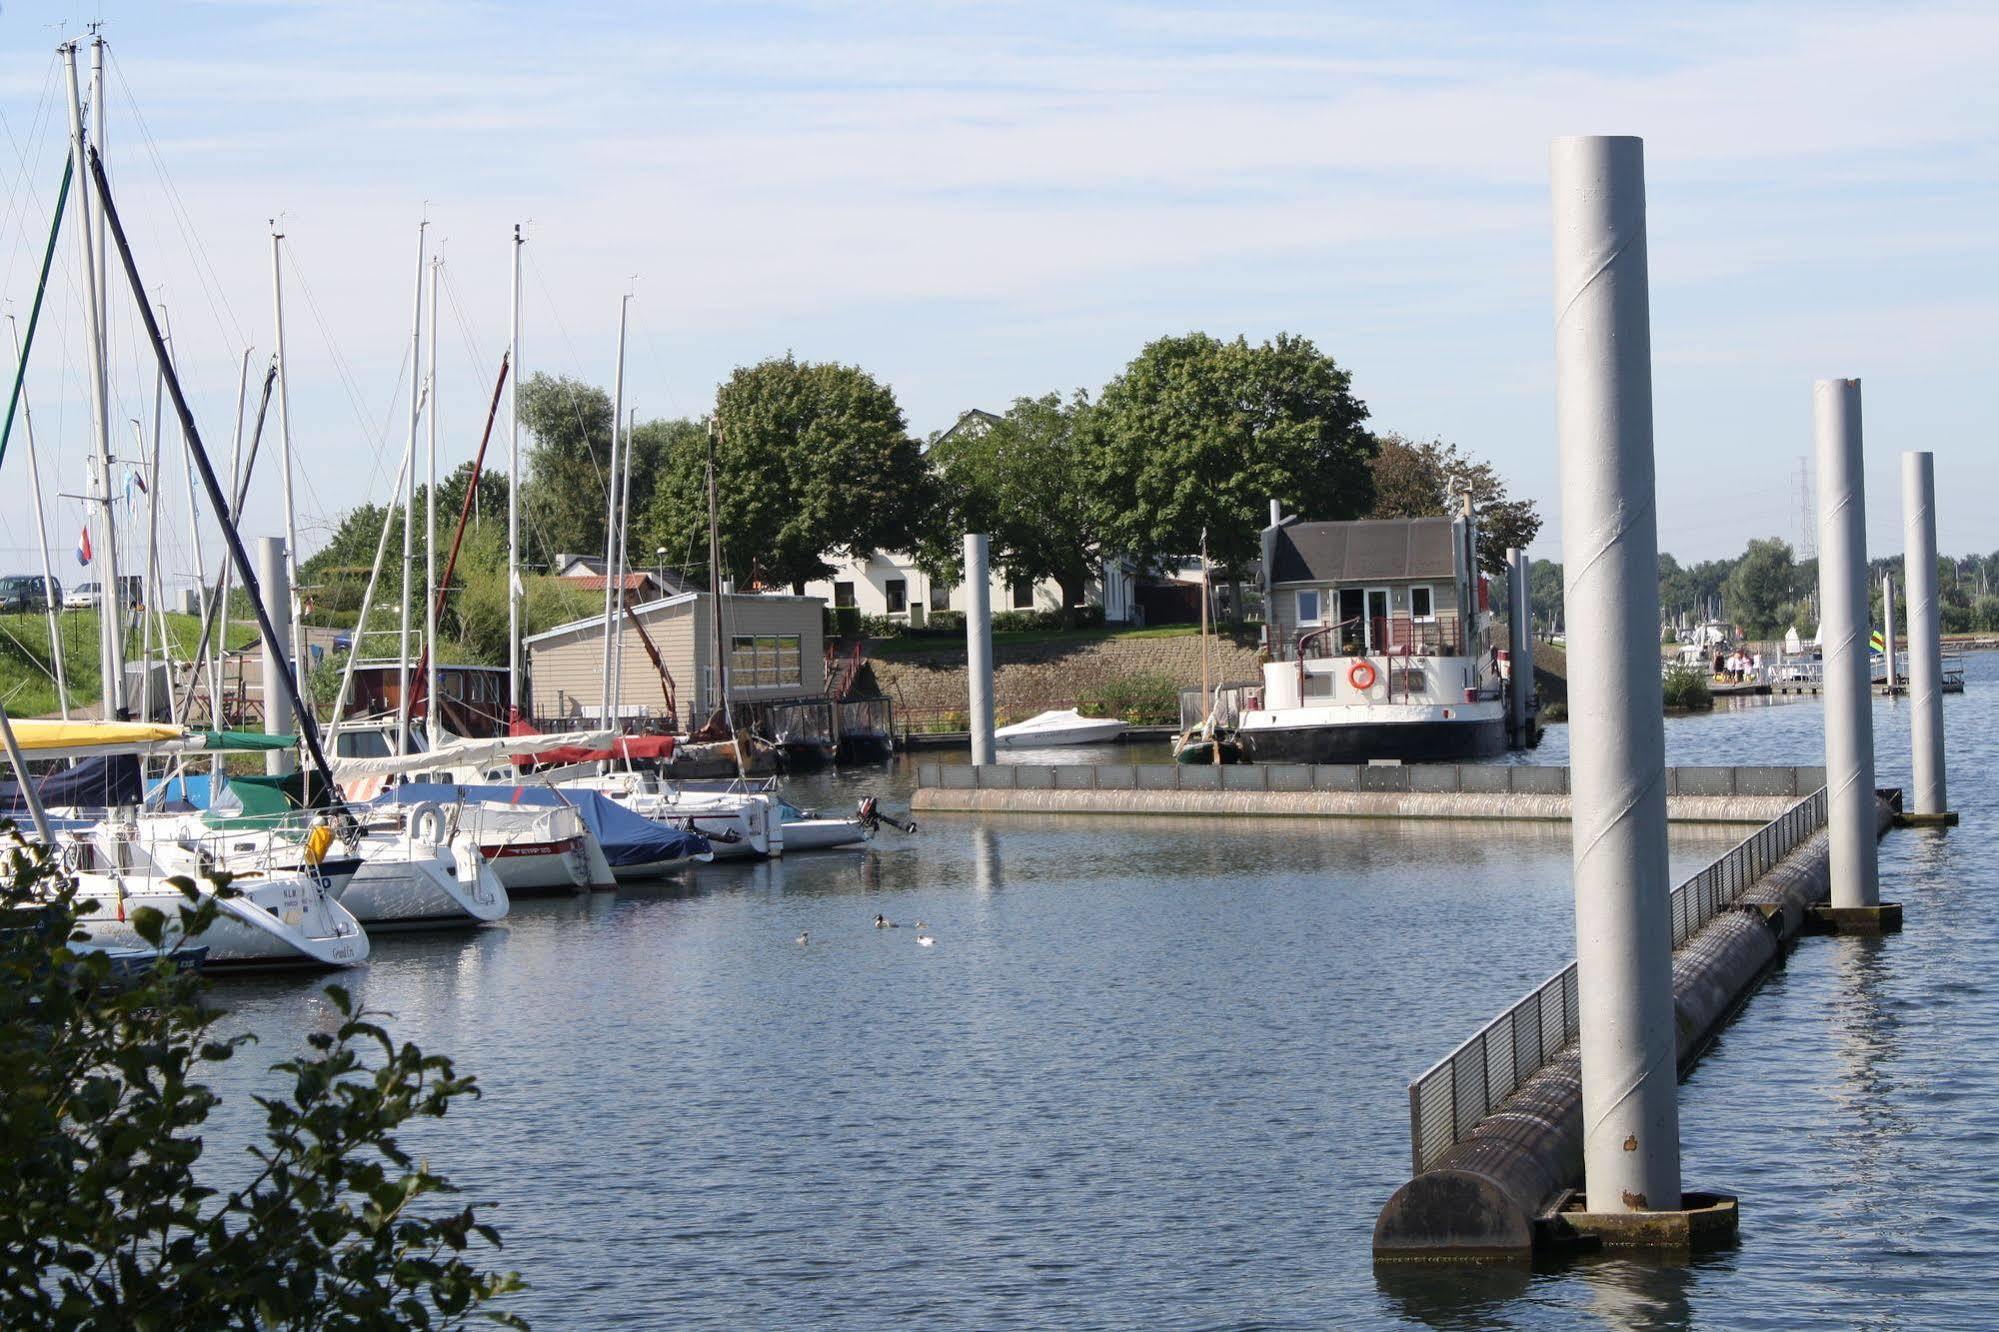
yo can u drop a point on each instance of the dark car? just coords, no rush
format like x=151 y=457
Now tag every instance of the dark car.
x=27 y=592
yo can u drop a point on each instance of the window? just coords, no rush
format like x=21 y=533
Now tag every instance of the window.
x=1377 y=619
x=1422 y=604
x=1308 y=605
x=765 y=661
x=940 y=596
x=1022 y=594
x=897 y=591
x=843 y=594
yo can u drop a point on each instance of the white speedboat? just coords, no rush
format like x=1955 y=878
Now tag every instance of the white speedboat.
x=280 y=917
x=1063 y=726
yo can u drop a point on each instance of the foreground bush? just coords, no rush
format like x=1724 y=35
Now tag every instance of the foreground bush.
x=1687 y=687
x=105 y=1221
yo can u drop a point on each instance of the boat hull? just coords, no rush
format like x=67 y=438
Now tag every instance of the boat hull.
x=425 y=888
x=1101 y=734
x=1431 y=741
x=560 y=866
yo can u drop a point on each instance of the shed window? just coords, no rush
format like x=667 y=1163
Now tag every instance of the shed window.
x=1308 y=606
x=897 y=592
x=1422 y=604
x=765 y=661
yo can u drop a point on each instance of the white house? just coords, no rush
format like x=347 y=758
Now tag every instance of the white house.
x=889 y=584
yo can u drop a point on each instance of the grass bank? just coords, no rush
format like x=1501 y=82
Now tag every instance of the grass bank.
x=918 y=645
x=27 y=670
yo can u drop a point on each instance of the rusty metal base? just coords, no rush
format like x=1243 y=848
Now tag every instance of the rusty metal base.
x=1704 y=1221
x=1883 y=919
x=1947 y=819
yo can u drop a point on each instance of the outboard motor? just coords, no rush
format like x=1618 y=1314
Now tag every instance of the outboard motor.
x=872 y=817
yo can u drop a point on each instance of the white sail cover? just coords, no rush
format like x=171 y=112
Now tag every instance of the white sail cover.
x=458 y=752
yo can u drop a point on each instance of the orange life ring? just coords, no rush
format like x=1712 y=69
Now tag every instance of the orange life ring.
x=1361 y=675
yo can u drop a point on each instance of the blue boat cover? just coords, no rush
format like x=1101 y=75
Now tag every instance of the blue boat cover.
x=94 y=783
x=627 y=838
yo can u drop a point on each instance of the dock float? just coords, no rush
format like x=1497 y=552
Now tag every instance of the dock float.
x=1481 y=791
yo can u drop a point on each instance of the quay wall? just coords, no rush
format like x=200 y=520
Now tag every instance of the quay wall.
x=1440 y=790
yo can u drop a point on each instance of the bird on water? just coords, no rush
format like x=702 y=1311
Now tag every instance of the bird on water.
x=805 y=936
x=924 y=940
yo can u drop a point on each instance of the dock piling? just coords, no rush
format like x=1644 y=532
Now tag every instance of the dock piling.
x=1888 y=630
x=1520 y=648
x=1919 y=575
x=1849 y=714
x=1610 y=549
x=275 y=583
x=979 y=646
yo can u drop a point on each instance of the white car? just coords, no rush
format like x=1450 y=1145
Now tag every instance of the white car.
x=81 y=597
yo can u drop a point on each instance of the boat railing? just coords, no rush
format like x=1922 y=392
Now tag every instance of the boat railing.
x=1453 y=1095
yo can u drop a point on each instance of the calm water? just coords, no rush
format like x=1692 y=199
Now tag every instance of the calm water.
x=1153 y=1074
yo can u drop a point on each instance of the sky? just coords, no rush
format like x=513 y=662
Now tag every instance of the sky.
x=977 y=202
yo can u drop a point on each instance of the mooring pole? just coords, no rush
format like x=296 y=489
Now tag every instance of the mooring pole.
x=1617 y=738
x=979 y=647
x=1919 y=572
x=1888 y=628
x=1849 y=704
x=274 y=580
x=1519 y=646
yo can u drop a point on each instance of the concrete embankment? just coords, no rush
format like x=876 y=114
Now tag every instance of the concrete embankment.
x=1431 y=790
x=1500 y=1191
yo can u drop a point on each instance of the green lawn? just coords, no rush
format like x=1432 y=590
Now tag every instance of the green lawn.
x=888 y=648
x=27 y=679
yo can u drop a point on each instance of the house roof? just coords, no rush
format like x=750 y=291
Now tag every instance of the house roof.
x=597 y=582
x=1370 y=550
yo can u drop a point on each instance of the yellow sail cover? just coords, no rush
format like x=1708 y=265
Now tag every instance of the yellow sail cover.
x=40 y=735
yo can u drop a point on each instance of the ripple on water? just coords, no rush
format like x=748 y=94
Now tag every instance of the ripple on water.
x=1154 y=1073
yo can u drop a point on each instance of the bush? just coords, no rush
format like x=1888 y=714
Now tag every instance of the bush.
x=1687 y=687
x=105 y=1219
x=951 y=623
x=1141 y=700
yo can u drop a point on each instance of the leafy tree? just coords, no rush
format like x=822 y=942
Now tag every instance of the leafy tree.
x=106 y=1220
x=1200 y=435
x=1760 y=589
x=812 y=458
x=1417 y=479
x=565 y=497
x=1545 y=591
x=1024 y=482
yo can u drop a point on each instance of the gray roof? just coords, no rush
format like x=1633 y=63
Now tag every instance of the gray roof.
x=1370 y=550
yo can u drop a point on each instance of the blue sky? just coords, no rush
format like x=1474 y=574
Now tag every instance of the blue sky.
x=980 y=201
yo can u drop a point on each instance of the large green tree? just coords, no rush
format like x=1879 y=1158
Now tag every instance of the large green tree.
x=1761 y=588
x=1419 y=478
x=565 y=495
x=812 y=458
x=1024 y=481
x=1199 y=435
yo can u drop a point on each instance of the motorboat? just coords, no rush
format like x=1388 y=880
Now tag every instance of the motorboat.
x=1063 y=726
x=546 y=839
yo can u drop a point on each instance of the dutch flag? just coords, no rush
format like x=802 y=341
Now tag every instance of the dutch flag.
x=83 y=546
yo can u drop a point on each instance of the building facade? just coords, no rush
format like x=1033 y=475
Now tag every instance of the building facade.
x=889 y=584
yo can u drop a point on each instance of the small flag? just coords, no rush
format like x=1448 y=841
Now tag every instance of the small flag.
x=83 y=546
x=1877 y=643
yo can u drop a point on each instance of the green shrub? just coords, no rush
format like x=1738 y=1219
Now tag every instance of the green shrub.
x=1687 y=687
x=1142 y=700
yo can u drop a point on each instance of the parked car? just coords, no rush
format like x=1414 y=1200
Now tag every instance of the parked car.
x=27 y=592
x=86 y=595
x=81 y=597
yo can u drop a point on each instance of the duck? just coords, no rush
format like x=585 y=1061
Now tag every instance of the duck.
x=883 y=922
x=805 y=936
x=924 y=940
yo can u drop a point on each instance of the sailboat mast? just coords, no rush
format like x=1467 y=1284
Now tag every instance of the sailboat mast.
x=110 y=648
x=715 y=586
x=218 y=650
x=430 y=732
x=514 y=494
x=1207 y=690
x=624 y=561
x=42 y=534
x=300 y=657
x=408 y=481
x=97 y=136
x=612 y=555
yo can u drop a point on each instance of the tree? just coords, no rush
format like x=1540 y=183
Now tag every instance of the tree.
x=812 y=458
x=1023 y=482
x=1199 y=435
x=1418 y=479
x=565 y=497
x=1760 y=590
x=1545 y=591
x=105 y=1218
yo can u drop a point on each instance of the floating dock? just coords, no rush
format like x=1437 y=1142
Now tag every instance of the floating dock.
x=1430 y=790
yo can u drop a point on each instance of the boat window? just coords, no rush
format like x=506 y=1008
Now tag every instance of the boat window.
x=1353 y=637
x=1377 y=619
x=1422 y=604
x=897 y=591
x=1308 y=605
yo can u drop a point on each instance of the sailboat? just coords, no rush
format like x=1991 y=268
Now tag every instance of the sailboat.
x=1206 y=741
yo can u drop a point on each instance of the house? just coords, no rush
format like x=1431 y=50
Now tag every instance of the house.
x=1371 y=587
x=889 y=584
x=776 y=650
x=641 y=585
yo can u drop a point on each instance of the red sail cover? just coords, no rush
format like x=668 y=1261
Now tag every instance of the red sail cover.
x=625 y=747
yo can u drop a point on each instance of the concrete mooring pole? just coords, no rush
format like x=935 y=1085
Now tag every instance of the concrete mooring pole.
x=1519 y=646
x=1849 y=702
x=1919 y=573
x=979 y=646
x=275 y=584
x=1888 y=627
x=1617 y=737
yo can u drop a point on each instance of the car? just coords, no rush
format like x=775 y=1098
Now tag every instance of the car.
x=27 y=592
x=84 y=596
x=81 y=597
